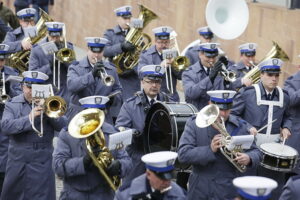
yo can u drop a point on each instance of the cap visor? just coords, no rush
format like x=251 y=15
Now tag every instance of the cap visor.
x=165 y=175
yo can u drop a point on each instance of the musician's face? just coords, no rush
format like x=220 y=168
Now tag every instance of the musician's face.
x=156 y=182
x=269 y=80
x=26 y=23
x=123 y=22
x=224 y=114
x=207 y=61
x=151 y=87
x=27 y=92
x=2 y=63
x=246 y=60
x=94 y=56
x=162 y=44
x=54 y=38
x=205 y=40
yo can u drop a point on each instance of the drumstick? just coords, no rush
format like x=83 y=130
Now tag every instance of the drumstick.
x=282 y=144
x=265 y=126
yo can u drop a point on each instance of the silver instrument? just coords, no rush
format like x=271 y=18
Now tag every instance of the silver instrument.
x=106 y=79
x=4 y=97
x=228 y=75
x=169 y=54
x=209 y=115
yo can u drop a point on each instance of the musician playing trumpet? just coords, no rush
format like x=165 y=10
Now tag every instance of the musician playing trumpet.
x=212 y=173
x=44 y=60
x=29 y=165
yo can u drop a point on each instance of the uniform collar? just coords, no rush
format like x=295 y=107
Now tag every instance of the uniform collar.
x=200 y=67
x=234 y=120
x=152 y=50
x=18 y=31
x=264 y=93
x=19 y=99
x=240 y=65
x=117 y=29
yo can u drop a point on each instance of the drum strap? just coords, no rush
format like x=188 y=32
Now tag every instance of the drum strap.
x=144 y=102
x=270 y=105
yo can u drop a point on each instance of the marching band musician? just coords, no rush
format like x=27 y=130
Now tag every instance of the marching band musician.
x=260 y=105
x=29 y=173
x=157 y=182
x=153 y=56
x=39 y=61
x=248 y=52
x=116 y=45
x=292 y=85
x=133 y=113
x=15 y=39
x=291 y=189
x=12 y=90
x=204 y=76
x=81 y=179
x=254 y=187
x=212 y=173
x=84 y=78
x=205 y=36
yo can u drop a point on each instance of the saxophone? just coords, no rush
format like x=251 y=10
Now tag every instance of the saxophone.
x=209 y=115
x=141 y=41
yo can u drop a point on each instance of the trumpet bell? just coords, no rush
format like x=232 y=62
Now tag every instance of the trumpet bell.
x=227 y=19
x=108 y=80
x=86 y=123
x=65 y=55
x=207 y=116
x=55 y=106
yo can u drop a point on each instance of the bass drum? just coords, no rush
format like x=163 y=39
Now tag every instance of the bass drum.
x=164 y=125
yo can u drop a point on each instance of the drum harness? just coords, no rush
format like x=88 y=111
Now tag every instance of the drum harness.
x=270 y=105
x=144 y=101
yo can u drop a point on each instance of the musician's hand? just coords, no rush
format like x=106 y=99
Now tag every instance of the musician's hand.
x=96 y=70
x=242 y=159
x=37 y=111
x=214 y=71
x=216 y=143
x=26 y=45
x=114 y=169
x=246 y=81
x=87 y=161
x=285 y=133
x=253 y=131
x=127 y=47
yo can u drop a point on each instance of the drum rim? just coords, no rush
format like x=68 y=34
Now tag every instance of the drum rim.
x=279 y=156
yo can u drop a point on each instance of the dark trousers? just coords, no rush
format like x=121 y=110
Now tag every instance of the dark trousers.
x=2 y=175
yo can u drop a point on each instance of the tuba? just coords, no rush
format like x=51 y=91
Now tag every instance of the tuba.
x=141 y=41
x=275 y=52
x=19 y=60
x=87 y=124
x=3 y=96
x=209 y=115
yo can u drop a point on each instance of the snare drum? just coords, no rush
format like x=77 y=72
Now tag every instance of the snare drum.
x=164 y=125
x=278 y=157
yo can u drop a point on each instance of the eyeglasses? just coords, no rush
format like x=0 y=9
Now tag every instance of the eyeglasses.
x=163 y=42
x=152 y=82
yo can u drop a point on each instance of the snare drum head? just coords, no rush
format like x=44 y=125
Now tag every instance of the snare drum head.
x=278 y=149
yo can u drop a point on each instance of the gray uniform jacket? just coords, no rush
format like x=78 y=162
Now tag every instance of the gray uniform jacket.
x=81 y=83
x=152 y=57
x=130 y=82
x=193 y=54
x=132 y=115
x=38 y=61
x=140 y=188
x=78 y=182
x=212 y=173
x=245 y=106
x=240 y=69
x=29 y=173
x=196 y=83
x=291 y=189
x=292 y=86
x=12 y=89
x=13 y=39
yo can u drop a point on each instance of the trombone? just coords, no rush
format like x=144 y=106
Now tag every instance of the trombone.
x=167 y=55
x=107 y=80
x=64 y=55
x=52 y=106
x=4 y=97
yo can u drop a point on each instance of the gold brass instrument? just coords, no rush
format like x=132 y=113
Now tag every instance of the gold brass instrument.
x=106 y=79
x=87 y=124
x=141 y=41
x=275 y=52
x=64 y=55
x=53 y=107
x=209 y=115
x=4 y=97
x=20 y=60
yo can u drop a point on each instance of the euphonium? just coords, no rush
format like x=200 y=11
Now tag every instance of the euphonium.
x=20 y=59
x=87 y=124
x=209 y=115
x=141 y=41
x=3 y=96
x=275 y=52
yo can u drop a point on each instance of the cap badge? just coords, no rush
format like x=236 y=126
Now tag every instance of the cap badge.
x=55 y=25
x=164 y=29
x=97 y=40
x=261 y=191
x=225 y=95
x=213 y=46
x=251 y=46
x=170 y=162
x=157 y=68
x=34 y=74
x=28 y=11
x=2 y=47
x=275 y=61
x=127 y=9
x=98 y=100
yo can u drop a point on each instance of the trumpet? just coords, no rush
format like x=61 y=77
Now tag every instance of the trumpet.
x=107 y=80
x=4 y=97
x=63 y=55
x=53 y=107
x=228 y=75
